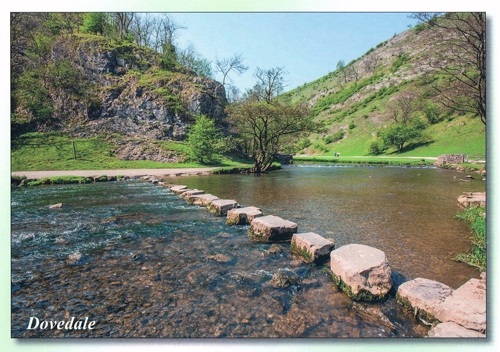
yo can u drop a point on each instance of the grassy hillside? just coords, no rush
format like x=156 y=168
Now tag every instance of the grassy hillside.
x=359 y=101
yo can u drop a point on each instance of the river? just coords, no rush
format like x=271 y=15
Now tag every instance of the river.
x=150 y=263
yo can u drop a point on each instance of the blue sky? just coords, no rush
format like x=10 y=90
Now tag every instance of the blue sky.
x=307 y=45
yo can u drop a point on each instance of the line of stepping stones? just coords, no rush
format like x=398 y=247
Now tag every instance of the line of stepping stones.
x=362 y=272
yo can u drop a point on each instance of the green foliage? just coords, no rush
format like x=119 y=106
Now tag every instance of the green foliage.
x=399 y=61
x=334 y=137
x=398 y=135
x=32 y=94
x=420 y=27
x=96 y=22
x=205 y=141
x=376 y=147
x=352 y=126
x=476 y=257
x=432 y=113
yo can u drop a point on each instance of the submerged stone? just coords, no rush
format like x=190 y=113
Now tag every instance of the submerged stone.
x=220 y=207
x=271 y=228
x=362 y=272
x=242 y=216
x=284 y=278
x=56 y=206
x=423 y=297
x=311 y=247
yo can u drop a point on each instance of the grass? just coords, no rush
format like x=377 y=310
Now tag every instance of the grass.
x=477 y=255
x=53 y=151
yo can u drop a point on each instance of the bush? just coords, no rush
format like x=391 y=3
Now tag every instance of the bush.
x=376 y=147
x=399 y=134
x=334 y=137
x=432 y=113
x=205 y=141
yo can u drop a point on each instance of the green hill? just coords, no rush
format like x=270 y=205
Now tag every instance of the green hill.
x=360 y=100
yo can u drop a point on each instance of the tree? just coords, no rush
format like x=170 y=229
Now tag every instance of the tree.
x=463 y=61
x=402 y=107
x=226 y=65
x=270 y=83
x=96 y=22
x=263 y=126
x=123 y=20
x=205 y=141
x=190 y=58
x=400 y=134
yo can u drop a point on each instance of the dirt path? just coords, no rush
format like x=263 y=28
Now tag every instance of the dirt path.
x=126 y=172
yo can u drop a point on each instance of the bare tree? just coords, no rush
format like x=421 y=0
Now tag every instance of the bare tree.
x=464 y=37
x=227 y=65
x=402 y=107
x=167 y=32
x=123 y=21
x=270 y=82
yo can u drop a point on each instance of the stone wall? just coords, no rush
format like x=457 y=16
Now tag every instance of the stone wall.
x=451 y=159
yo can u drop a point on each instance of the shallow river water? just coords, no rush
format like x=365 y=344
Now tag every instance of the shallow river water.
x=153 y=266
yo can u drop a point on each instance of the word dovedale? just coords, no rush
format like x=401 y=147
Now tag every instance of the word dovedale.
x=71 y=324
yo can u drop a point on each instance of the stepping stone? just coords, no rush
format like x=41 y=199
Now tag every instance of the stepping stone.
x=466 y=306
x=362 y=272
x=452 y=330
x=422 y=297
x=220 y=207
x=242 y=216
x=202 y=199
x=190 y=193
x=311 y=247
x=179 y=189
x=271 y=228
x=468 y=199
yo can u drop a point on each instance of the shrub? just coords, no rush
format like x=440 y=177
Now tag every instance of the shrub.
x=477 y=255
x=376 y=147
x=205 y=141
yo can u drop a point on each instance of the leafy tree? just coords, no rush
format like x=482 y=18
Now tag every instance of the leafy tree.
x=263 y=126
x=96 y=22
x=205 y=141
x=400 y=134
x=463 y=61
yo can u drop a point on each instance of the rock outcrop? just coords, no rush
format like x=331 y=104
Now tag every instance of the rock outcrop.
x=362 y=272
x=468 y=199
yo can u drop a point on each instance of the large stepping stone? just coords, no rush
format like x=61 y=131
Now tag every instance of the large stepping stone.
x=242 y=216
x=466 y=306
x=220 y=207
x=271 y=228
x=311 y=247
x=453 y=330
x=202 y=199
x=468 y=199
x=362 y=272
x=422 y=297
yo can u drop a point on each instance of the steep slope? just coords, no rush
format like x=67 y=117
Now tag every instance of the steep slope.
x=359 y=100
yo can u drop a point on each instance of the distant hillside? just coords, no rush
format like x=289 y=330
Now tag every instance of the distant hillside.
x=360 y=99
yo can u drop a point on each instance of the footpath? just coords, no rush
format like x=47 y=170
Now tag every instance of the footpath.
x=123 y=172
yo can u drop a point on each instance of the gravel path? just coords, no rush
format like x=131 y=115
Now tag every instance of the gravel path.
x=126 y=172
